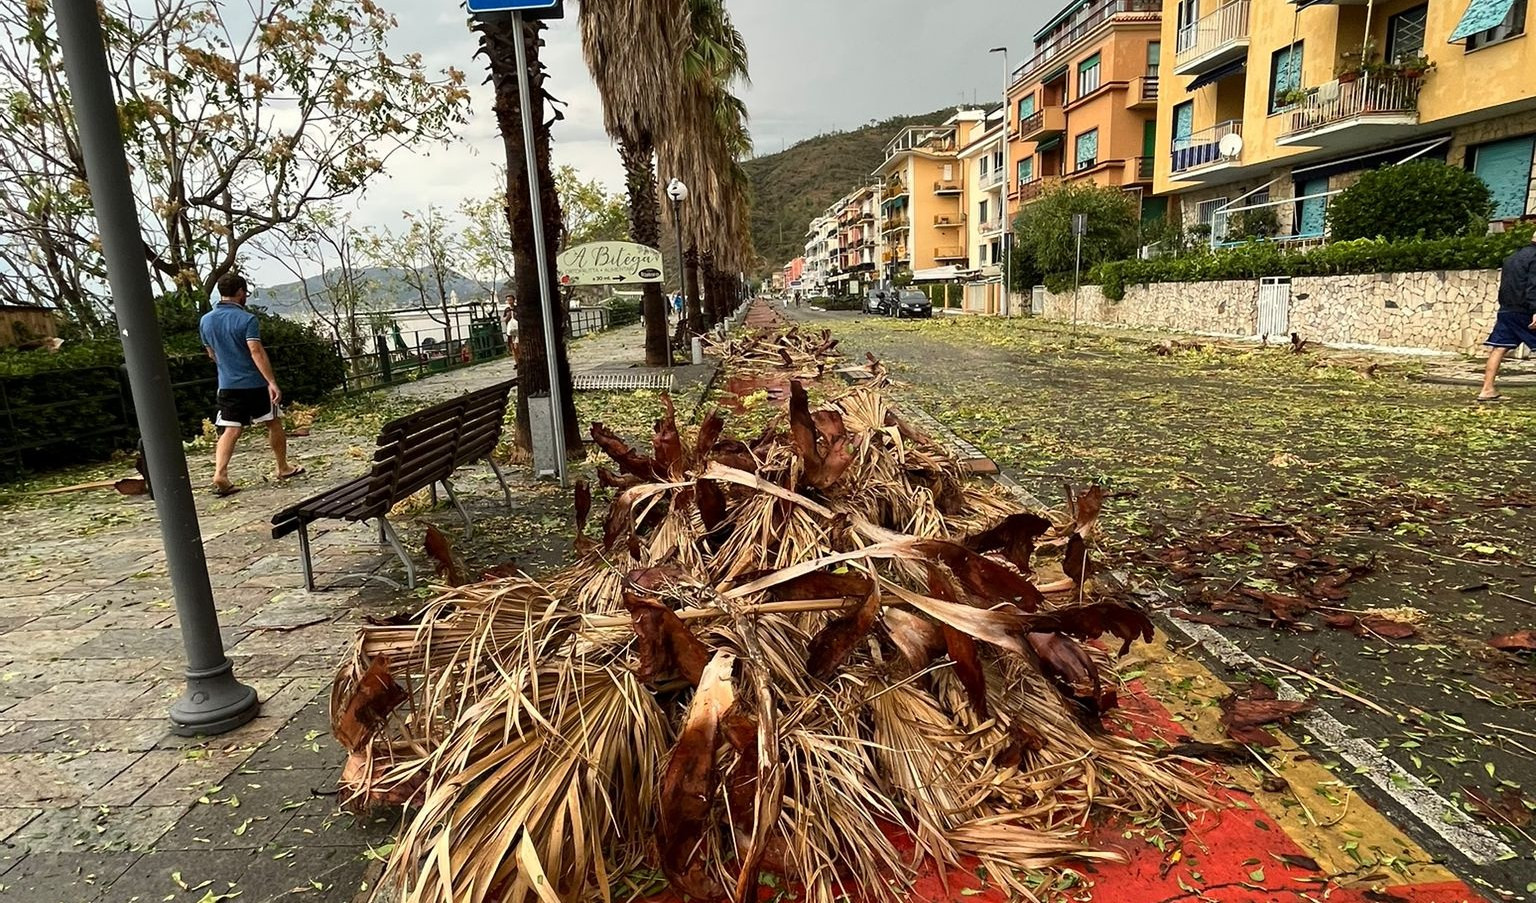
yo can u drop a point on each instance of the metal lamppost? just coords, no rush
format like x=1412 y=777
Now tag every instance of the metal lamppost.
x=214 y=701
x=678 y=192
x=1007 y=167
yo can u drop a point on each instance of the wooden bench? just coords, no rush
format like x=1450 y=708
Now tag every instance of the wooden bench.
x=415 y=452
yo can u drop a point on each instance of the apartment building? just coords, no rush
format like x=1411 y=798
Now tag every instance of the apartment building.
x=922 y=193
x=857 y=242
x=821 y=256
x=985 y=217
x=1084 y=106
x=1276 y=106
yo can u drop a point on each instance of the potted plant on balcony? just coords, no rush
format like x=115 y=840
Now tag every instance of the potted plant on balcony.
x=1414 y=66
x=1354 y=65
x=1291 y=97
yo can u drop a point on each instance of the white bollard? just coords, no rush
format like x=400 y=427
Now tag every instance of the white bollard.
x=698 y=350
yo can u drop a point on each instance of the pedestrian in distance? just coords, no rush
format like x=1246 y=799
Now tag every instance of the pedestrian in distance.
x=509 y=323
x=1516 y=323
x=248 y=392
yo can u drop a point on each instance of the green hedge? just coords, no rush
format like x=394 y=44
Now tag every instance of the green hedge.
x=75 y=407
x=846 y=302
x=1259 y=259
x=624 y=312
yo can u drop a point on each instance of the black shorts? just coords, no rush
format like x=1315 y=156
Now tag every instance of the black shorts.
x=245 y=407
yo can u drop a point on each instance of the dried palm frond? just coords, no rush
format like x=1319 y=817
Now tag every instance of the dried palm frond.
x=832 y=630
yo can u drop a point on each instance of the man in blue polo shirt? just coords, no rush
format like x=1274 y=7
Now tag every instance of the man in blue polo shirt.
x=248 y=392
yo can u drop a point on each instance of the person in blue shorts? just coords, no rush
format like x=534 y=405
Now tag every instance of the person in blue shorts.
x=248 y=392
x=1516 y=324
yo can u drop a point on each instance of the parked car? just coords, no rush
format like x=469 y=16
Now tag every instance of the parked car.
x=911 y=304
x=877 y=302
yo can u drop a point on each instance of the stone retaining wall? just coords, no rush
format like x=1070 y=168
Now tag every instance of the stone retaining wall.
x=1436 y=311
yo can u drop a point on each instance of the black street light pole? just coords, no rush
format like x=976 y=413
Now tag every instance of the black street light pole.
x=214 y=701
x=678 y=192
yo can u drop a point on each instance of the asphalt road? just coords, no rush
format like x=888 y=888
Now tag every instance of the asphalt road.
x=1364 y=464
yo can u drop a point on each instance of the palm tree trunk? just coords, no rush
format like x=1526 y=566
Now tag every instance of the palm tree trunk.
x=696 y=321
x=496 y=39
x=645 y=229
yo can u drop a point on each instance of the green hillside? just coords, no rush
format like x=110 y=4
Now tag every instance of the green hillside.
x=794 y=186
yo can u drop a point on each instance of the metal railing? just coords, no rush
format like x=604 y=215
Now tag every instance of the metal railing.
x=949 y=252
x=1203 y=148
x=1141 y=168
x=1337 y=102
x=1056 y=46
x=992 y=178
x=1144 y=89
x=989 y=226
x=1225 y=26
x=1032 y=123
x=947 y=186
x=949 y=219
x=893 y=223
x=1032 y=189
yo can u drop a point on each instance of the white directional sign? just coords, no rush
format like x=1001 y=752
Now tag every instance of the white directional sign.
x=506 y=6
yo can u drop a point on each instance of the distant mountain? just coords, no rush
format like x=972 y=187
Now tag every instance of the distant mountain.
x=386 y=289
x=794 y=186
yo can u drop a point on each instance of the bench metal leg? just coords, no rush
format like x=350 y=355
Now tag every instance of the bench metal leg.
x=469 y=524
x=388 y=530
x=304 y=558
x=505 y=489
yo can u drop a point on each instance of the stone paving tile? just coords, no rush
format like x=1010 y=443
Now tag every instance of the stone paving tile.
x=96 y=828
x=186 y=875
x=82 y=700
x=13 y=818
x=22 y=645
x=251 y=808
x=131 y=642
x=60 y=670
x=135 y=781
x=63 y=877
x=194 y=773
x=123 y=735
x=58 y=779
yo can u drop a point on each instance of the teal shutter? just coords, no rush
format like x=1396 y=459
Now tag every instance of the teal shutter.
x=1480 y=16
x=1506 y=167
x=1312 y=215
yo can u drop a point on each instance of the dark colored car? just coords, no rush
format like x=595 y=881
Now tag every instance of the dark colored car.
x=877 y=302
x=911 y=304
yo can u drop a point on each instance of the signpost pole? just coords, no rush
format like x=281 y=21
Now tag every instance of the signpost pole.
x=540 y=250
x=1079 y=226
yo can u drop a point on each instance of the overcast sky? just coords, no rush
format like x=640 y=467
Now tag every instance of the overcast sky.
x=817 y=66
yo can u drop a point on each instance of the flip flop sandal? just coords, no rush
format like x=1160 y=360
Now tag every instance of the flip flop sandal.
x=1489 y=399
x=296 y=472
x=225 y=492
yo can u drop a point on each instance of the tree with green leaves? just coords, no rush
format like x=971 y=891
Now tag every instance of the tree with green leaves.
x=1043 y=230
x=427 y=252
x=237 y=119
x=1421 y=199
x=592 y=212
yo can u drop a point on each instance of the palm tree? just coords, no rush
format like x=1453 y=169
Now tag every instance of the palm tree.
x=497 y=37
x=705 y=149
x=632 y=49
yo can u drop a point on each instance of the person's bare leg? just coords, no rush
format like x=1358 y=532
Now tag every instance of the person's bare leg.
x=1491 y=374
x=277 y=437
x=223 y=453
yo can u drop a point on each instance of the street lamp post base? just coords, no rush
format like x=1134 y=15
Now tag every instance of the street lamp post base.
x=214 y=703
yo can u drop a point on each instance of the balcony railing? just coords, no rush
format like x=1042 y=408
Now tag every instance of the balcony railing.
x=1365 y=98
x=992 y=178
x=1056 y=45
x=1046 y=121
x=992 y=225
x=893 y=223
x=1032 y=189
x=893 y=187
x=949 y=220
x=947 y=186
x=930 y=138
x=1204 y=148
x=1139 y=169
x=1205 y=41
x=1143 y=93
x=948 y=252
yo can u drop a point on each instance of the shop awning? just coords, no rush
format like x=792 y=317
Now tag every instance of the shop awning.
x=1219 y=73
x=1481 y=15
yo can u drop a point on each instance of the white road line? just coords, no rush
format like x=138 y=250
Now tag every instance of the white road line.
x=1434 y=811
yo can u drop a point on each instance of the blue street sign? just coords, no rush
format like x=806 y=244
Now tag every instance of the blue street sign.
x=506 y=6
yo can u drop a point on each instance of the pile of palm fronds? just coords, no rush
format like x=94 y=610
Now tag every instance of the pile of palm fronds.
x=793 y=352
x=820 y=652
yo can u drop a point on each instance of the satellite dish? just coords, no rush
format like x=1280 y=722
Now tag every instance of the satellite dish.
x=1231 y=146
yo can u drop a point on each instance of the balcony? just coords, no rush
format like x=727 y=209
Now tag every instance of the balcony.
x=1048 y=122
x=1138 y=171
x=1351 y=115
x=1202 y=150
x=993 y=178
x=948 y=187
x=895 y=224
x=1143 y=93
x=893 y=188
x=949 y=252
x=948 y=221
x=924 y=139
x=1032 y=189
x=865 y=216
x=1059 y=42
x=992 y=226
x=1213 y=41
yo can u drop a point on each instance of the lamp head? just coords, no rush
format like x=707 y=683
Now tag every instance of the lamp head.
x=677 y=191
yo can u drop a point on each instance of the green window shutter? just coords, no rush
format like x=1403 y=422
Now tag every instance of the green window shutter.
x=1480 y=16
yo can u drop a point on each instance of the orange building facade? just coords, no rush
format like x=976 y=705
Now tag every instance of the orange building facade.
x=1083 y=108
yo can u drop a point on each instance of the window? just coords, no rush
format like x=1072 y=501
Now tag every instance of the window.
x=982 y=210
x=983 y=255
x=1284 y=77
x=1405 y=33
x=986 y=166
x=1154 y=58
x=1512 y=26
x=1183 y=124
x=1026 y=170
x=1088 y=149
x=1088 y=72
x=1026 y=107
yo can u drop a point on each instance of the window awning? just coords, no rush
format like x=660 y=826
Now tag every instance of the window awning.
x=1481 y=15
x=1219 y=73
x=1432 y=149
x=1048 y=144
x=1060 y=72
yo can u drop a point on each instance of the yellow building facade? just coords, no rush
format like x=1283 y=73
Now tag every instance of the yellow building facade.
x=923 y=199
x=1272 y=107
